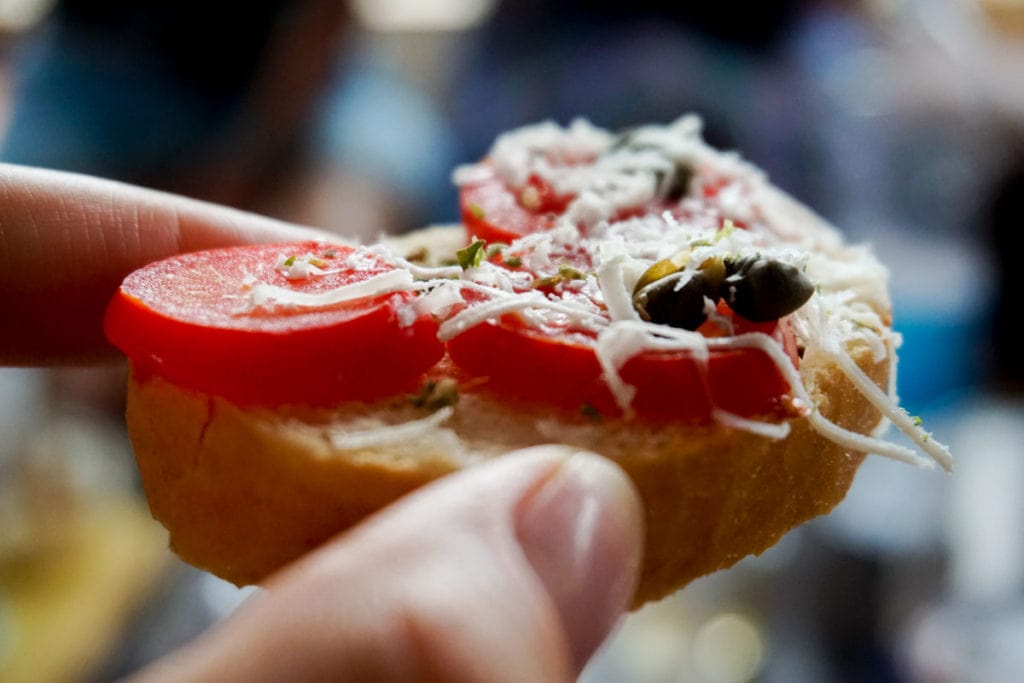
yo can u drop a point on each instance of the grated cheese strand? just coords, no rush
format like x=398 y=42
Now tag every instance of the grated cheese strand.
x=899 y=417
x=417 y=270
x=830 y=430
x=616 y=295
x=609 y=180
x=866 y=444
x=476 y=314
x=770 y=430
x=385 y=283
x=390 y=434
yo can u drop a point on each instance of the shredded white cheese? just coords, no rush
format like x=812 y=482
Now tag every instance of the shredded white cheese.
x=261 y=295
x=619 y=176
x=300 y=267
x=579 y=276
x=766 y=429
x=348 y=439
x=617 y=296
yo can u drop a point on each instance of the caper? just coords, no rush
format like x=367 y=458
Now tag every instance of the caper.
x=672 y=184
x=715 y=269
x=659 y=270
x=677 y=185
x=663 y=299
x=676 y=302
x=762 y=289
x=626 y=139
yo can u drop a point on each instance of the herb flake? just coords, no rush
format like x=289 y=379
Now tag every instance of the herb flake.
x=569 y=273
x=436 y=394
x=472 y=255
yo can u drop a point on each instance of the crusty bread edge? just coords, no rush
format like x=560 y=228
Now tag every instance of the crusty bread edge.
x=243 y=491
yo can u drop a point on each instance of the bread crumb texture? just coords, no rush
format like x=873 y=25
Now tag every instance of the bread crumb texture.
x=243 y=491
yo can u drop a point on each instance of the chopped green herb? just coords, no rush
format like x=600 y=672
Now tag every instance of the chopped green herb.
x=513 y=262
x=700 y=243
x=569 y=273
x=436 y=394
x=289 y=262
x=477 y=211
x=549 y=281
x=728 y=227
x=917 y=421
x=472 y=255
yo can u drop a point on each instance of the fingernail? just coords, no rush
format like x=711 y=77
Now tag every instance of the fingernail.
x=581 y=530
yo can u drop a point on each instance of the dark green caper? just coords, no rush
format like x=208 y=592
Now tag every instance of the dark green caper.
x=677 y=302
x=672 y=184
x=626 y=139
x=677 y=185
x=762 y=289
x=659 y=270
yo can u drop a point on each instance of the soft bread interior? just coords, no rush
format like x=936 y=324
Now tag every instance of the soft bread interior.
x=243 y=491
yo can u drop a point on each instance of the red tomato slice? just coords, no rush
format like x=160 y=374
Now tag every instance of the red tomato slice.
x=494 y=212
x=185 y=319
x=491 y=211
x=530 y=365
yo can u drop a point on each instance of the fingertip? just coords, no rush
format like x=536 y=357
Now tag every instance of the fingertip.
x=513 y=570
x=582 y=533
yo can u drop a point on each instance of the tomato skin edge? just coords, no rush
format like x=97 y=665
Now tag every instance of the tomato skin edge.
x=486 y=198
x=670 y=386
x=361 y=351
x=277 y=367
x=357 y=350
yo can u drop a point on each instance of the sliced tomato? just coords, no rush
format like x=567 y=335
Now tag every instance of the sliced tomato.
x=564 y=371
x=494 y=212
x=740 y=325
x=187 y=319
x=532 y=366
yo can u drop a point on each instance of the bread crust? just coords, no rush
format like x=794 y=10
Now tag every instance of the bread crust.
x=243 y=491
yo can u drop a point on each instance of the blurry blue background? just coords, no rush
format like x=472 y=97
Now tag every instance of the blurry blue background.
x=901 y=121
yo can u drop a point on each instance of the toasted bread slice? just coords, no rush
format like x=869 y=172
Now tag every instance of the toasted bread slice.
x=243 y=490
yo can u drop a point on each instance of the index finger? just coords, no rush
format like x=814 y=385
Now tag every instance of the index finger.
x=67 y=241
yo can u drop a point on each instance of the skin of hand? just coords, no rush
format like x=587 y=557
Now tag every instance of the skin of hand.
x=514 y=570
x=67 y=241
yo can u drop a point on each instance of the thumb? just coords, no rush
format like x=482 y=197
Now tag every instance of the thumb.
x=515 y=570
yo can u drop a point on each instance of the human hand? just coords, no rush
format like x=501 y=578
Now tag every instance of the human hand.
x=514 y=570
x=67 y=241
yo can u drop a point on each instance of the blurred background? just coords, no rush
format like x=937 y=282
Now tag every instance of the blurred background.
x=902 y=121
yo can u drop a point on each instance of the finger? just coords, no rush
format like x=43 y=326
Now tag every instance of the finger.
x=512 y=571
x=67 y=240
